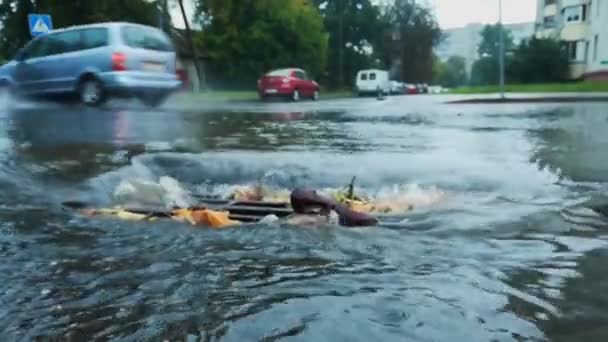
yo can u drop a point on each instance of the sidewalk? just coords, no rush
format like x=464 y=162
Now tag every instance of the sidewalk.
x=531 y=98
x=238 y=96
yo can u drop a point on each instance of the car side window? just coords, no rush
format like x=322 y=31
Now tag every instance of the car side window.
x=39 y=48
x=94 y=38
x=372 y=76
x=300 y=75
x=64 y=42
x=363 y=77
x=145 y=38
x=25 y=53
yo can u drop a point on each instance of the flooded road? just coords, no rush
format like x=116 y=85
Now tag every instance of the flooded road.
x=511 y=252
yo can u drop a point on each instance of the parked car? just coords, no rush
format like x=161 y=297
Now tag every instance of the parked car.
x=435 y=89
x=397 y=87
x=95 y=62
x=411 y=89
x=292 y=83
x=373 y=81
x=422 y=88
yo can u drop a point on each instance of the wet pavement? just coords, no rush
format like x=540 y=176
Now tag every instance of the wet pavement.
x=510 y=253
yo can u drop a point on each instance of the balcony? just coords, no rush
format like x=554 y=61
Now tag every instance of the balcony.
x=577 y=70
x=574 y=31
x=550 y=10
x=574 y=22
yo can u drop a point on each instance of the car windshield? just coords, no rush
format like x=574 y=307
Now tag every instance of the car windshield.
x=282 y=73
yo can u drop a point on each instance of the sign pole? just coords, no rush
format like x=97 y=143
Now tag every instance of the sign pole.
x=501 y=51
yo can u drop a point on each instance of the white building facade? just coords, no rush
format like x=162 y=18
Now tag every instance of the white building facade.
x=464 y=41
x=583 y=27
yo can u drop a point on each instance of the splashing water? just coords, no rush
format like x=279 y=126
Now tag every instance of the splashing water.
x=169 y=192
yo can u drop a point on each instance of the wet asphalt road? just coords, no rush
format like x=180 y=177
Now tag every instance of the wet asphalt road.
x=508 y=251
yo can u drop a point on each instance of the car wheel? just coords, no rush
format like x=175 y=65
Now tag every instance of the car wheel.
x=295 y=96
x=315 y=95
x=91 y=92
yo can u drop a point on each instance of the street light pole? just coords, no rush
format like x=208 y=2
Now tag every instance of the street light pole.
x=340 y=43
x=161 y=14
x=501 y=51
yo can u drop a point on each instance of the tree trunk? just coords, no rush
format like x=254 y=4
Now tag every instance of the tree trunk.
x=192 y=47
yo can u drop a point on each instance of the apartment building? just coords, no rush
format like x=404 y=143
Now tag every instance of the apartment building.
x=464 y=41
x=583 y=27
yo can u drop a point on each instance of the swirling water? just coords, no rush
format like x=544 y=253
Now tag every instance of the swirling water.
x=511 y=252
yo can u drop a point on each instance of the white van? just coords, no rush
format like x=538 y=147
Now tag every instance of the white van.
x=373 y=81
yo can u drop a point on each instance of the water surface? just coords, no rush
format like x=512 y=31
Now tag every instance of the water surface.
x=511 y=253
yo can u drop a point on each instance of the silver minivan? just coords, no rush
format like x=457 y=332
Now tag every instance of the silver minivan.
x=95 y=62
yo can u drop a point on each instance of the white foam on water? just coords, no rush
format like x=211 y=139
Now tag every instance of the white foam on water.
x=413 y=194
x=167 y=192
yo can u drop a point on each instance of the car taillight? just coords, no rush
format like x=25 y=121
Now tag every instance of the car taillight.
x=119 y=61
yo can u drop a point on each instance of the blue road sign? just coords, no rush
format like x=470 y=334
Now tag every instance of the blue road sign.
x=40 y=24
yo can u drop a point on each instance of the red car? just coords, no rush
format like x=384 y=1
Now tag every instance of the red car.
x=291 y=83
x=411 y=89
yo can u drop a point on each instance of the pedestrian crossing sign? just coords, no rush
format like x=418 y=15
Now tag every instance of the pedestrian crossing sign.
x=40 y=24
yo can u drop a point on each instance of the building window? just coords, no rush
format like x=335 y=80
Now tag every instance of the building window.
x=576 y=51
x=573 y=14
x=549 y=22
x=595 y=47
x=585 y=15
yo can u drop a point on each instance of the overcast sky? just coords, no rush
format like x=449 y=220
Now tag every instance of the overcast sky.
x=176 y=14
x=451 y=13
x=458 y=13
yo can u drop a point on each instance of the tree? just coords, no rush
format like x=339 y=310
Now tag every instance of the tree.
x=356 y=38
x=245 y=38
x=490 y=41
x=14 y=31
x=417 y=32
x=539 y=60
x=452 y=73
x=485 y=70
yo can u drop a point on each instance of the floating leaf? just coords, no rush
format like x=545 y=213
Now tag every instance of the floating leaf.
x=204 y=217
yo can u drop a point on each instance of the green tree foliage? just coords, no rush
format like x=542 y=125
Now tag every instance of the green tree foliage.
x=490 y=41
x=451 y=73
x=532 y=61
x=357 y=30
x=245 y=38
x=416 y=32
x=14 y=31
x=539 y=61
x=485 y=70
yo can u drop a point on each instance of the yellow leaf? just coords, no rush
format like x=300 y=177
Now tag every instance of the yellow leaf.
x=119 y=213
x=204 y=217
